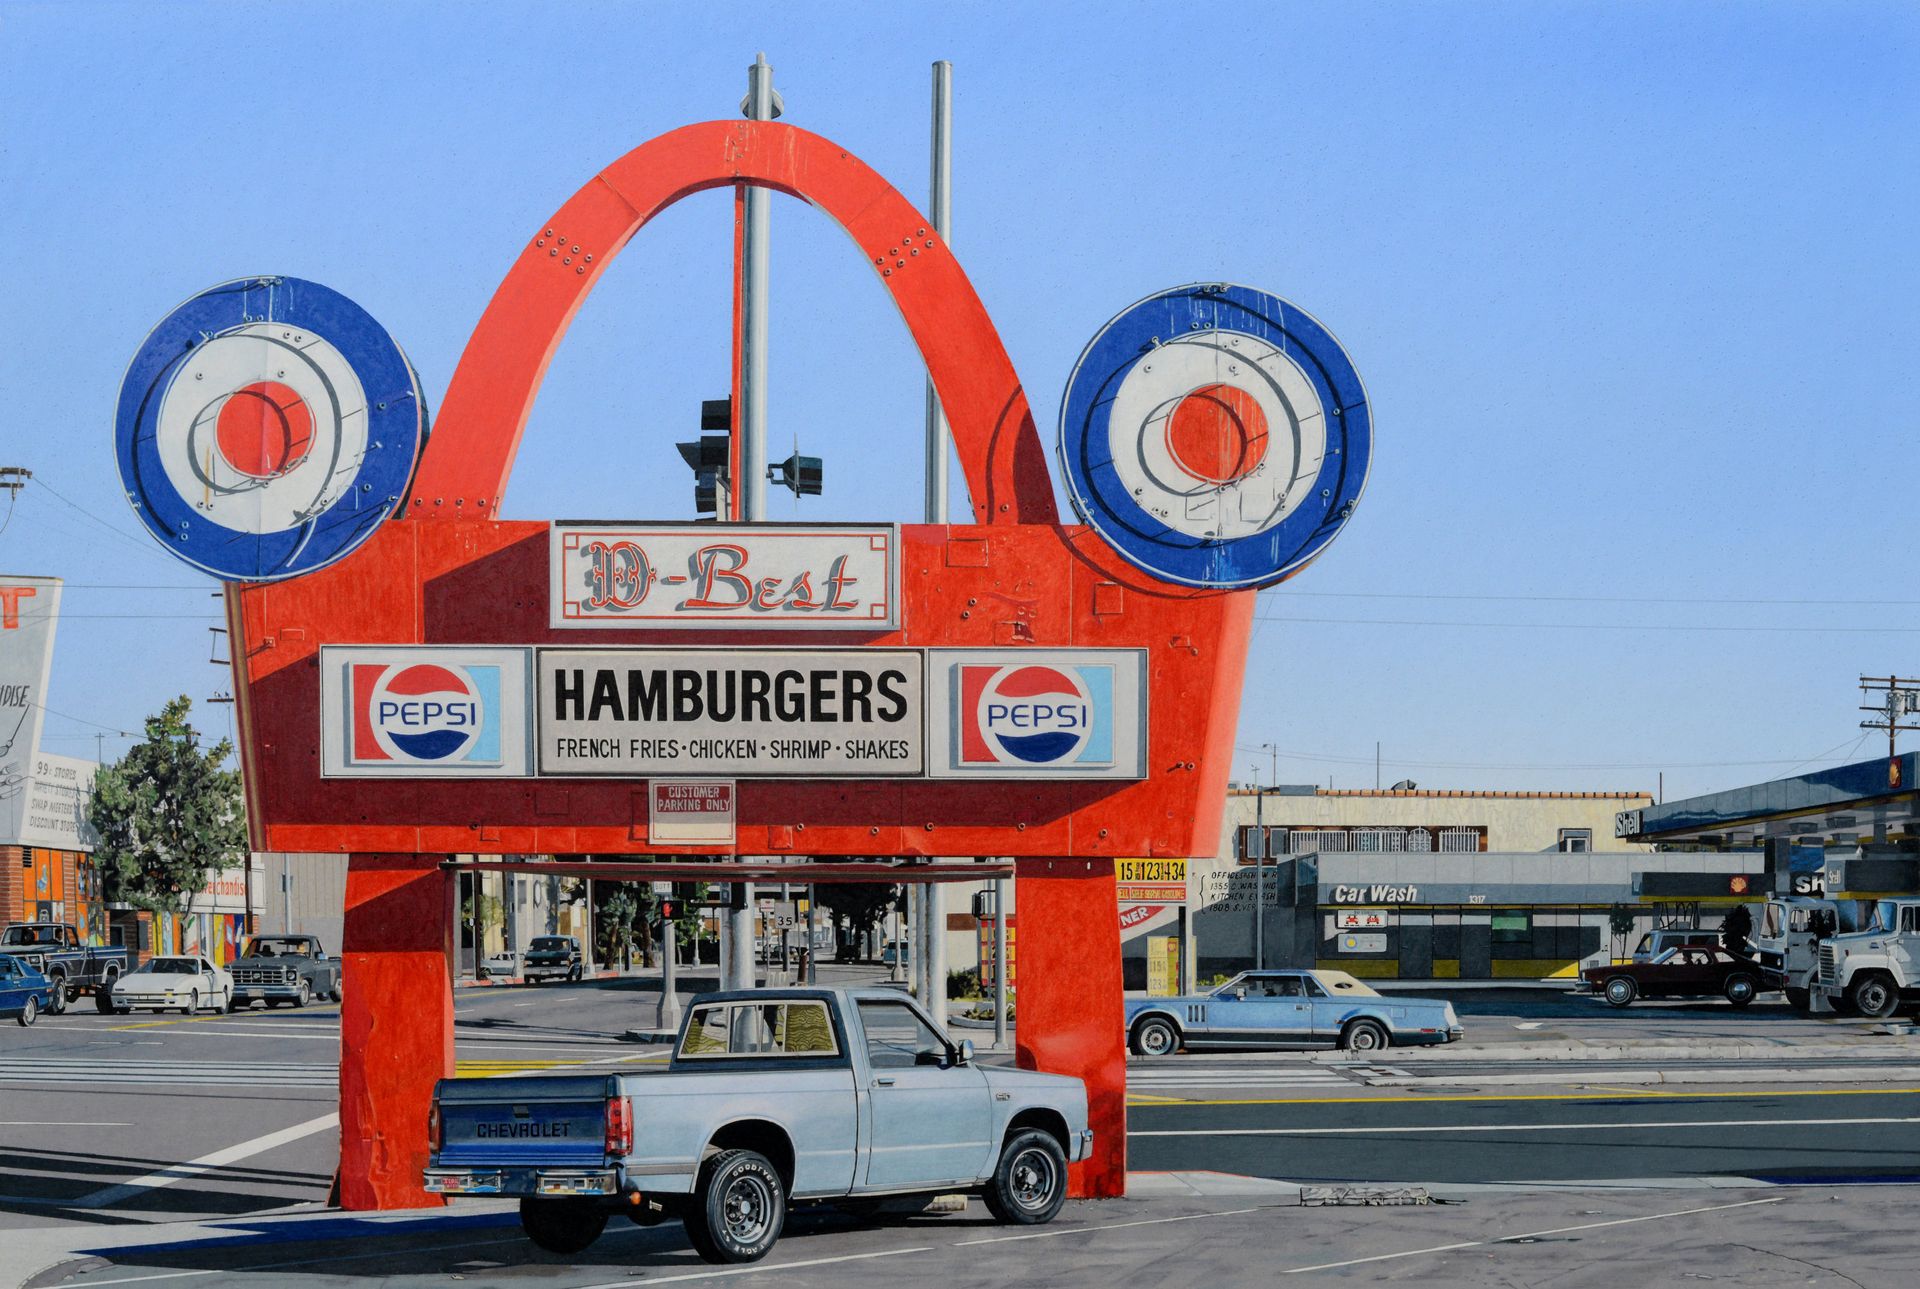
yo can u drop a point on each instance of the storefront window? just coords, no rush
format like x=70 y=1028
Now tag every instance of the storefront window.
x=1513 y=934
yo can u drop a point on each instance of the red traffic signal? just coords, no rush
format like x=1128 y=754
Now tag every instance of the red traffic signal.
x=669 y=910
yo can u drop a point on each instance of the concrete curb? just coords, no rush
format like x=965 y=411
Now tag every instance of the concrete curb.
x=1823 y=1074
x=1556 y=1052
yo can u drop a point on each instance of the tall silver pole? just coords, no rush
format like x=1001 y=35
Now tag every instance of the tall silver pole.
x=1259 y=876
x=753 y=318
x=940 y=210
x=1000 y=963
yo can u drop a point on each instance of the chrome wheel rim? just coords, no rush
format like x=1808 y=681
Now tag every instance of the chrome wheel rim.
x=1033 y=1178
x=1742 y=989
x=747 y=1209
x=1617 y=991
x=1365 y=1039
x=1157 y=1040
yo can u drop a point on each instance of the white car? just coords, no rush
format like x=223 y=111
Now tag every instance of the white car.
x=506 y=963
x=189 y=983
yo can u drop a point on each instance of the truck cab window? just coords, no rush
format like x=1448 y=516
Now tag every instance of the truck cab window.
x=897 y=1037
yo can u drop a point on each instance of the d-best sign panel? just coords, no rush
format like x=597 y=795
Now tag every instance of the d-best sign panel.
x=423 y=712
x=820 y=577
x=749 y=713
x=1037 y=713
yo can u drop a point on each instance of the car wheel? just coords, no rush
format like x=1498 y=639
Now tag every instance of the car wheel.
x=57 y=996
x=29 y=1011
x=335 y=993
x=193 y=1002
x=1364 y=1036
x=1873 y=996
x=1156 y=1036
x=575 y=974
x=1740 y=989
x=738 y=1210
x=305 y=995
x=1621 y=991
x=103 y=1002
x=1801 y=1001
x=1030 y=1182
x=562 y=1225
x=226 y=1003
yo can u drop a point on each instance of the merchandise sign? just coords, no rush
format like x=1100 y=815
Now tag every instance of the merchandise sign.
x=55 y=814
x=1362 y=919
x=762 y=713
x=833 y=578
x=1036 y=713
x=423 y=712
x=692 y=811
x=1151 y=881
x=29 y=612
x=1376 y=942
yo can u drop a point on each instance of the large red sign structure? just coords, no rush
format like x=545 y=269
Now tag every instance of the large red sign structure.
x=445 y=570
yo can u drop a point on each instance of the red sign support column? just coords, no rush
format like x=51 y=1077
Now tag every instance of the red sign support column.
x=1071 y=1017
x=396 y=1025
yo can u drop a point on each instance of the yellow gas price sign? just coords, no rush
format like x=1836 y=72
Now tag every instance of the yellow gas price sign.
x=1151 y=881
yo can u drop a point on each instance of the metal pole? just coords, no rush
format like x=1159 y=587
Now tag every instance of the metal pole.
x=940 y=210
x=937 y=951
x=286 y=890
x=813 y=945
x=752 y=484
x=1259 y=875
x=668 y=1015
x=1000 y=963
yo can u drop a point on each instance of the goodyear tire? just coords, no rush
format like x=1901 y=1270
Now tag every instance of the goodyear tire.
x=739 y=1208
x=562 y=1225
x=57 y=996
x=1030 y=1182
x=1365 y=1036
x=29 y=1012
x=1873 y=995
x=1155 y=1036
x=1741 y=989
x=1621 y=991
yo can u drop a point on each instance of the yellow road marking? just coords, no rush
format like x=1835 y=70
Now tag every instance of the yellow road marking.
x=1534 y=1096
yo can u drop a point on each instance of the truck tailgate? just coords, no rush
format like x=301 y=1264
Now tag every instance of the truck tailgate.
x=529 y=1122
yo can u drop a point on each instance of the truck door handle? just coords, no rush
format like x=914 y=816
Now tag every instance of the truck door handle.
x=883 y=1083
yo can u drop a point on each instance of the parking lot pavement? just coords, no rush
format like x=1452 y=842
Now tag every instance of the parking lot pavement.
x=1858 y=1237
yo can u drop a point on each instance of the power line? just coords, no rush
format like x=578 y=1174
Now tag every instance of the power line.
x=142 y=543
x=111 y=729
x=1590 y=626
x=1287 y=592
x=1341 y=759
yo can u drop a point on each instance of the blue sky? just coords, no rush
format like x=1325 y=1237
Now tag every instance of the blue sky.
x=1632 y=287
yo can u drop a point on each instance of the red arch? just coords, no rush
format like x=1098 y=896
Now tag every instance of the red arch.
x=477 y=432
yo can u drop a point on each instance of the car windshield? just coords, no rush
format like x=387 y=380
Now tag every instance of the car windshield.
x=1771 y=922
x=1886 y=916
x=549 y=942
x=171 y=967
x=275 y=948
x=1669 y=956
x=29 y=935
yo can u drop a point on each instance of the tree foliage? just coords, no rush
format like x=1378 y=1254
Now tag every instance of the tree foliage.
x=1736 y=930
x=168 y=814
x=862 y=904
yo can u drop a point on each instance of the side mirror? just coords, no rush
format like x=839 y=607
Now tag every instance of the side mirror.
x=965 y=1054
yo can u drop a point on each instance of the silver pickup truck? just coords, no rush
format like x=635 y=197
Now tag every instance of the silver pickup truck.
x=775 y=1096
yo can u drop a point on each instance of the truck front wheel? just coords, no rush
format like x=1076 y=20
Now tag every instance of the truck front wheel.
x=57 y=996
x=738 y=1210
x=1801 y=1001
x=561 y=1225
x=1030 y=1182
x=1873 y=995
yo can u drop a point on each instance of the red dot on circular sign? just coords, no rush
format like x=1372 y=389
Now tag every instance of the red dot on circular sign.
x=1217 y=433
x=264 y=430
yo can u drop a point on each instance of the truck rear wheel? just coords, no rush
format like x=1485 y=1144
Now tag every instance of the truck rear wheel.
x=1873 y=995
x=1030 y=1182
x=562 y=1225
x=739 y=1208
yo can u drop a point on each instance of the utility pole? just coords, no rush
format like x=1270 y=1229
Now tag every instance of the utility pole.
x=1259 y=849
x=1898 y=698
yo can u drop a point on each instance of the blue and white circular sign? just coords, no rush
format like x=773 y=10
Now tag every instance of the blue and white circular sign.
x=1216 y=436
x=266 y=427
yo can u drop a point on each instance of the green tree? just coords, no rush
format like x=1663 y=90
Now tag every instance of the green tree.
x=862 y=904
x=168 y=814
x=1620 y=922
x=1736 y=931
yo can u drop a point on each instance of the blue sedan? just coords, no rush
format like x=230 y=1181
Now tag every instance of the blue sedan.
x=24 y=992
x=1287 y=1009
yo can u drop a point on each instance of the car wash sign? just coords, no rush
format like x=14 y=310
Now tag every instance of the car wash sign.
x=764 y=713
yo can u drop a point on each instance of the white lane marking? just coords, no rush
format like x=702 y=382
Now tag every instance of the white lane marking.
x=1529 y=1235
x=1522 y=1127
x=1107 y=1226
x=1528 y=1024
x=206 y=1163
x=59 y=1123
x=757 y=1268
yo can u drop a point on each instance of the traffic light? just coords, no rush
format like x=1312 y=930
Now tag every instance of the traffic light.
x=669 y=910
x=708 y=455
x=805 y=475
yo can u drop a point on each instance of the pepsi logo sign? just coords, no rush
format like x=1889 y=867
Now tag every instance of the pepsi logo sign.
x=1035 y=715
x=424 y=711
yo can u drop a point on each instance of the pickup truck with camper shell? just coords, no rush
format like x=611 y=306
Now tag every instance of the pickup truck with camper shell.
x=1874 y=971
x=277 y=969
x=71 y=966
x=774 y=1097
